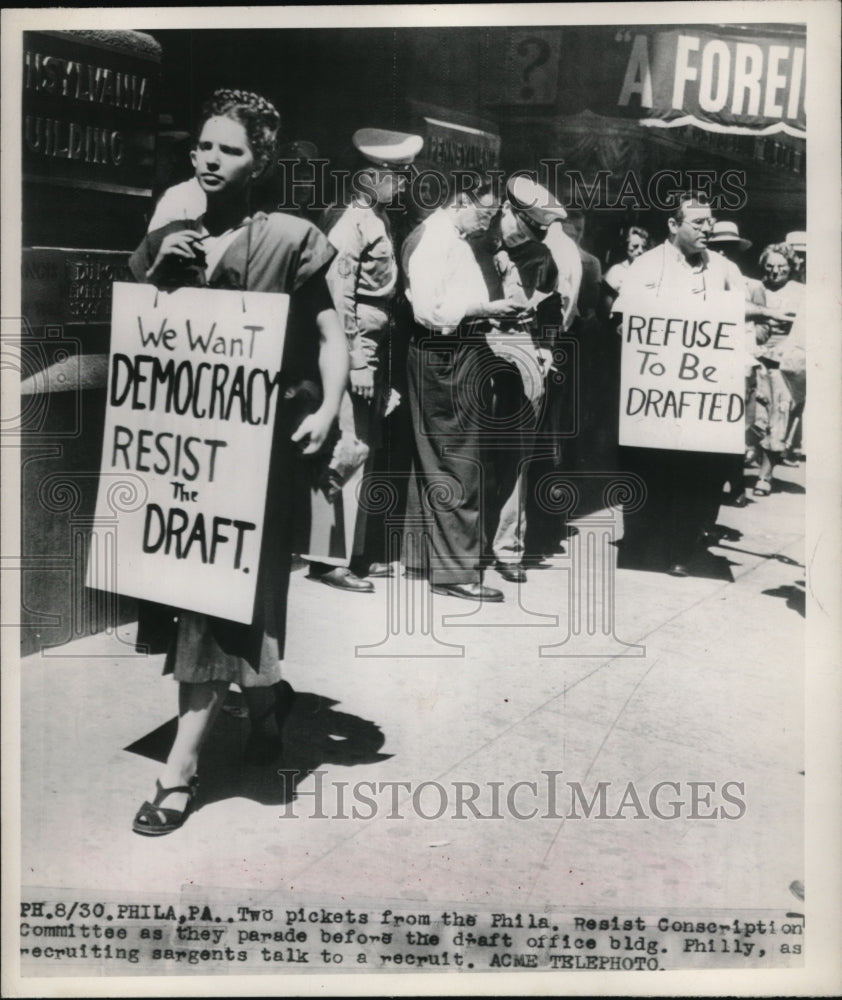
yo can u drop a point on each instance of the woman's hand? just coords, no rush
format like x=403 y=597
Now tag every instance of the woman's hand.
x=780 y=322
x=313 y=431
x=183 y=244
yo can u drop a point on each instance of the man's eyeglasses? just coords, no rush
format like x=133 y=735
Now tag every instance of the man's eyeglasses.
x=700 y=224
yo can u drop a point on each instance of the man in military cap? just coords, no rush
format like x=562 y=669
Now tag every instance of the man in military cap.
x=363 y=278
x=530 y=278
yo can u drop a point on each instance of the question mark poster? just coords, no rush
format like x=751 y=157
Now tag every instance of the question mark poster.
x=532 y=67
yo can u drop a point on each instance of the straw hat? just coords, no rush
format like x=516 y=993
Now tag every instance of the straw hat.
x=725 y=231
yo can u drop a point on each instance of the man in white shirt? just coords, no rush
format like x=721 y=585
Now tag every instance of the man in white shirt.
x=448 y=361
x=683 y=488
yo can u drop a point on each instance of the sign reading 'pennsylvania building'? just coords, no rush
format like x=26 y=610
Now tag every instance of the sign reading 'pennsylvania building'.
x=88 y=100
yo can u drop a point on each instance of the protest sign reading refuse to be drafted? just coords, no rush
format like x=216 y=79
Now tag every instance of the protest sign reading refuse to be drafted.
x=193 y=384
x=682 y=379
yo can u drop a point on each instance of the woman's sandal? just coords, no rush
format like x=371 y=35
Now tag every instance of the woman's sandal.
x=762 y=488
x=153 y=820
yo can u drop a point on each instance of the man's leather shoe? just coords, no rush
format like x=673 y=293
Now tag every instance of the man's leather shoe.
x=343 y=579
x=513 y=572
x=468 y=592
x=380 y=569
x=678 y=569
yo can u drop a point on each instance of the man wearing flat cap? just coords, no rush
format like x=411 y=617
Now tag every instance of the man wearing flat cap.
x=530 y=277
x=363 y=279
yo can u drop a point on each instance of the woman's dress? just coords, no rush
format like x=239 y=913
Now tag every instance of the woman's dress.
x=775 y=402
x=269 y=253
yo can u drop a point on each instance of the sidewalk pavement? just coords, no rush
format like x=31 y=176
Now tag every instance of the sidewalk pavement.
x=715 y=696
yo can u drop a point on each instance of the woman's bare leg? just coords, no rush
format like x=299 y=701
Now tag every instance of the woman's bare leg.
x=198 y=707
x=768 y=461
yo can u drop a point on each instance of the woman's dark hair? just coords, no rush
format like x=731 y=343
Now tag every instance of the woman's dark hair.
x=259 y=118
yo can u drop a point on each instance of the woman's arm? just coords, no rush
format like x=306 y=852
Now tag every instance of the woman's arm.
x=333 y=368
x=333 y=360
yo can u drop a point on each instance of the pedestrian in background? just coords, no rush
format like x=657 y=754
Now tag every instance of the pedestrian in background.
x=725 y=239
x=638 y=242
x=776 y=405
x=797 y=242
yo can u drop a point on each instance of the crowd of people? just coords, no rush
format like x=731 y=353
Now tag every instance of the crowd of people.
x=434 y=353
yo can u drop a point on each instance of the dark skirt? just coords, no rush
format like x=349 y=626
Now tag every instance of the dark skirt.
x=201 y=648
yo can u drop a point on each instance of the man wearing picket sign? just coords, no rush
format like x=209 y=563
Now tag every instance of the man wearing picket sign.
x=683 y=487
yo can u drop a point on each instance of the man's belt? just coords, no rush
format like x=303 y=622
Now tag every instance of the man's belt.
x=471 y=330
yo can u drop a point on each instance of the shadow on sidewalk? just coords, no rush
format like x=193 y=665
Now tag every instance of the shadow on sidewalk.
x=703 y=564
x=794 y=595
x=778 y=486
x=314 y=735
x=777 y=556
